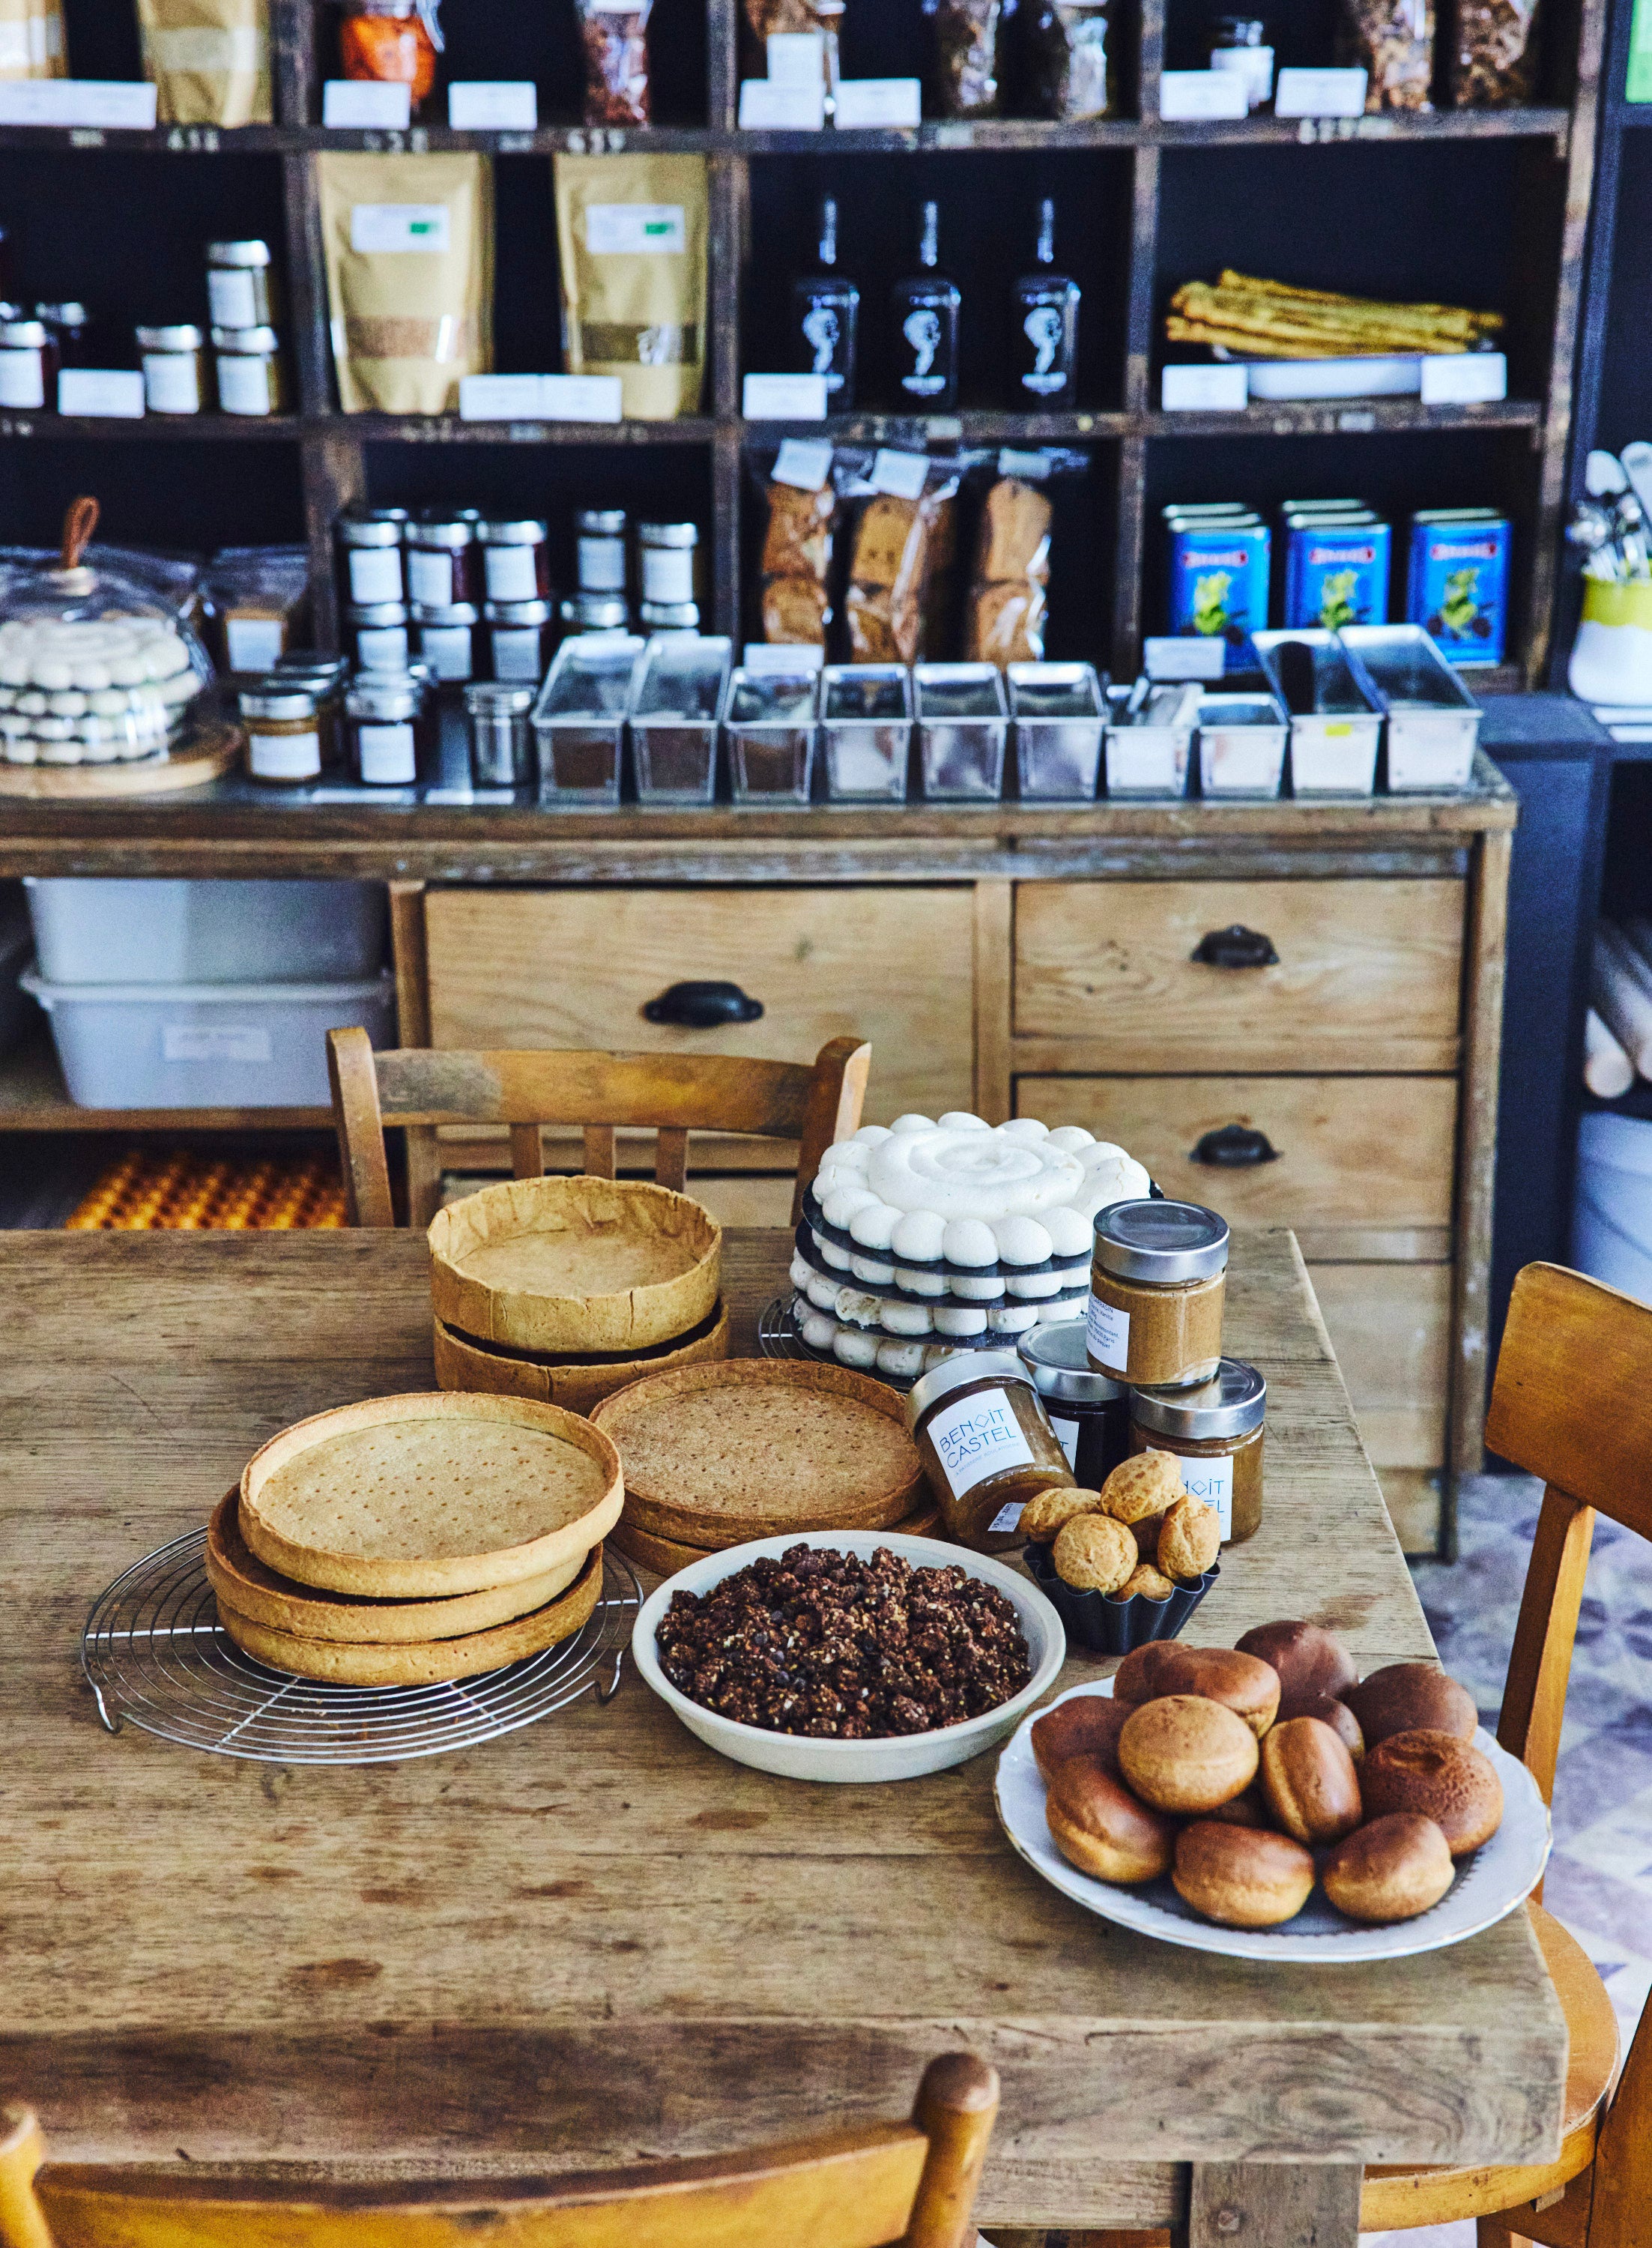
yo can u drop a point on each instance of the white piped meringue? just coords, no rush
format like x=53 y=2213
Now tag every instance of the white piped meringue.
x=919 y=1233
x=856 y=1309
x=822 y=1292
x=875 y=1274
x=1023 y=1241
x=1071 y=1233
x=1033 y=1287
x=1072 y=1139
x=801 y=1273
x=1024 y=1128
x=906 y=1319
x=936 y=1354
x=873 y=1225
x=901 y=1359
x=851 y=1350
x=960 y=1323
x=968 y=1241
x=849 y=1155
x=871 y=1135
x=1013 y=1319
x=838 y=1259
x=987 y=1289
x=819 y=1331
x=842 y=1202
x=964 y=1119
x=913 y=1122
x=920 y=1284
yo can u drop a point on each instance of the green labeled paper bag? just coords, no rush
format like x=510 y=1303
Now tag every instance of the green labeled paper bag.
x=208 y=60
x=631 y=235
x=408 y=242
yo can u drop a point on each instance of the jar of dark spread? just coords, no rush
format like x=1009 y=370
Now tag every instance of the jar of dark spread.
x=1157 y=1281
x=1089 y=1411
x=1214 y=1432
x=388 y=727
x=377 y=635
x=986 y=1444
x=370 y=539
x=522 y=637
x=516 y=560
x=283 y=732
x=446 y=633
x=444 y=562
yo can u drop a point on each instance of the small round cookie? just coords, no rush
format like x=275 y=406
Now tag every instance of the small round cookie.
x=1241 y=1877
x=1190 y=1539
x=1309 y=1781
x=1337 y=1715
x=1145 y=1583
x=1087 y=1724
x=1391 y=1868
x=1438 y=1776
x=1093 y=1553
x=1409 y=1697
x=1147 y=1483
x=1239 y=1681
x=1311 y=1661
x=1187 y=1755
x=1099 y=1826
x=1046 y=1510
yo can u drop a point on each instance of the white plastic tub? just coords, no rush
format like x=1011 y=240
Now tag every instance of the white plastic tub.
x=1611 y=1206
x=205 y=1046
x=90 y=930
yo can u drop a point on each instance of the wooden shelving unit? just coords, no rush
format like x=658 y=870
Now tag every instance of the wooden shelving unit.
x=1482 y=206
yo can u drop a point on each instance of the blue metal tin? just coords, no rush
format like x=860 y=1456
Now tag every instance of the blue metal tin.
x=1457 y=583
x=1218 y=584
x=1336 y=573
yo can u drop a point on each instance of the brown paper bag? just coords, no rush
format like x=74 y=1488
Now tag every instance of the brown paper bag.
x=209 y=59
x=631 y=236
x=409 y=254
x=31 y=40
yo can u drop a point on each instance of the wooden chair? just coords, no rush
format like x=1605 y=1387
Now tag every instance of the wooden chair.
x=912 y=2182
x=668 y=1094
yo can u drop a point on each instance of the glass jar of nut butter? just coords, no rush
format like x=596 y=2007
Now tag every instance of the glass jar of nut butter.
x=1214 y=1433
x=1157 y=1280
x=986 y=1444
x=1089 y=1411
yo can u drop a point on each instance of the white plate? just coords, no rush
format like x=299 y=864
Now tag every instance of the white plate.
x=1491 y=1882
x=1394 y=376
x=904 y=1755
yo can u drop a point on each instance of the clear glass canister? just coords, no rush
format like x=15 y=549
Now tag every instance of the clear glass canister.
x=986 y=1444
x=516 y=560
x=174 y=369
x=1089 y=1411
x=283 y=724
x=600 y=535
x=370 y=541
x=444 y=562
x=387 y=722
x=1157 y=1280
x=240 y=285
x=1214 y=1432
x=666 y=552
x=247 y=362
x=521 y=639
x=501 y=739
x=446 y=634
x=29 y=365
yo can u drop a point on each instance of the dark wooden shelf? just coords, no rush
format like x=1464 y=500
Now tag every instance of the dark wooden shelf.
x=168 y=427
x=1332 y=417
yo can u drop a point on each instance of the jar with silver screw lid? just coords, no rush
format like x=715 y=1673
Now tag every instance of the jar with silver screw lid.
x=388 y=721
x=446 y=633
x=376 y=634
x=501 y=741
x=516 y=559
x=670 y=616
x=588 y=613
x=240 y=285
x=444 y=562
x=29 y=363
x=247 y=362
x=1089 y=1411
x=667 y=552
x=173 y=369
x=370 y=542
x=283 y=724
x=521 y=639
x=600 y=535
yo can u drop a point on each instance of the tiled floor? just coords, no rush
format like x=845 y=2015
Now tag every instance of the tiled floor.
x=1600 y=1879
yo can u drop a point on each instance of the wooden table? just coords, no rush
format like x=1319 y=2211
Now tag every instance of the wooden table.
x=596 y=1941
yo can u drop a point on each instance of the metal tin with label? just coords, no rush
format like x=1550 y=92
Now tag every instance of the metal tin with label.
x=1149 y=738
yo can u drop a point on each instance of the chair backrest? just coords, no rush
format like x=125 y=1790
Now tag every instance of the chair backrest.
x=1573 y=1403
x=670 y=1095
x=912 y=2182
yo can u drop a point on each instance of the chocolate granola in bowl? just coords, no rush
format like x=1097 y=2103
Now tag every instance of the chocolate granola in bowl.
x=826 y=1644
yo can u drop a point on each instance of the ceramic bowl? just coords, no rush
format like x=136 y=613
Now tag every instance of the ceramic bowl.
x=903 y=1757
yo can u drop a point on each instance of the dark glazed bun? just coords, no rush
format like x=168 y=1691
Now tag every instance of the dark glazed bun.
x=1089 y=1724
x=1250 y=1689
x=1392 y=1869
x=1337 y=1715
x=1240 y=1877
x=1410 y=1697
x=1099 y=1826
x=1135 y=1680
x=1310 y=1661
x=1309 y=1781
x=1440 y=1777
x=1186 y=1755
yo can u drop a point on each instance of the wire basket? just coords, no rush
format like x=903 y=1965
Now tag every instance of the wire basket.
x=155 y=1656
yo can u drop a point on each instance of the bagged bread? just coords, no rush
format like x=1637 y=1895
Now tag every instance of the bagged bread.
x=1004 y=622
x=208 y=60
x=801 y=493
x=631 y=240
x=408 y=242
x=902 y=547
x=31 y=40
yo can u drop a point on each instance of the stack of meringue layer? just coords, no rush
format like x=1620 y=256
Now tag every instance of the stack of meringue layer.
x=924 y=1237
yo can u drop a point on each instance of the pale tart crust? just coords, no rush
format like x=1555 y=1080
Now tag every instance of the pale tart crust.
x=575 y=1384
x=418 y=1496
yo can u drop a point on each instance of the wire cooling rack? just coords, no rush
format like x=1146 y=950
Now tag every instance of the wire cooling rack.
x=155 y=1656
x=778 y=1336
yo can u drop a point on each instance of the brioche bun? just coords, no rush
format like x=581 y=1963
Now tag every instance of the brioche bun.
x=1089 y=1725
x=1436 y=1776
x=1309 y=1781
x=1099 y=1826
x=1391 y=1868
x=1187 y=1755
x=1310 y=1661
x=1409 y=1697
x=1239 y=1876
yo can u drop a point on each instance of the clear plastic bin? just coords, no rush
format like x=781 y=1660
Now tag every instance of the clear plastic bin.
x=92 y=929
x=768 y=719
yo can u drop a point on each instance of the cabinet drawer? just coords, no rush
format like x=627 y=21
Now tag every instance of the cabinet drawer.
x=1367 y=974
x=575 y=968
x=1352 y=1153
x=1390 y=1326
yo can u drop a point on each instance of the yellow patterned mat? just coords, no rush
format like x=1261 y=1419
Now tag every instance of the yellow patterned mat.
x=185 y=1190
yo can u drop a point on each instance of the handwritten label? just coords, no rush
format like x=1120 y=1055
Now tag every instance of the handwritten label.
x=978 y=1437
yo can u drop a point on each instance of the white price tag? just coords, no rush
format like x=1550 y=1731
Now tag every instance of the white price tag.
x=803 y=462
x=1464 y=378
x=113 y=394
x=1319 y=93
x=580 y=397
x=783 y=398
x=367 y=105
x=1030 y=468
x=380 y=229
x=499 y=398
x=1184 y=95
x=386 y=753
x=636 y=231
x=1106 y=1335
x=1193 y=657
x=1007 y=1519
x=118 y=104
x=865 y=103
x=978 y=1437
x=786 y=658
x=768 y=108
x=493 y=105
x=1215 y=389
x=901 y=475
x=796 y=59
x=254 y=644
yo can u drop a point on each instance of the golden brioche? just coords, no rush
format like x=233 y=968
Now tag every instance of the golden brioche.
x=1046 y=1510
x=1146 y=1583
x=1135 y=1680
x=1391 y=1868
x=1436 y=1776
x=1239 y=1681
x=1240 y=1876
x=1309 y=1781
x=1409 y=1697
x=1190 y=1539
x=1337 y=1715
x=1245 y=1810
x=1144 y=1485
x=1093 y=1553
x=1187 y=1755
x=1099 y=1826
x=1087 y=1724
x=1311 y=1661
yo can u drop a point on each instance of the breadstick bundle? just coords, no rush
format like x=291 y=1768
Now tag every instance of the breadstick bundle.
x=1269 y=320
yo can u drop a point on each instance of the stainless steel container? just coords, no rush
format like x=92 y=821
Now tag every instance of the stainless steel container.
x=501 y=743
x=673 y=718
x=1333 y=745
x=964 y=725
x=1241 y=745
x=1149 y=738
x=579 y=721
x=1433 y=720
x=768 y=722
x=1058 y=713
x=866 y=731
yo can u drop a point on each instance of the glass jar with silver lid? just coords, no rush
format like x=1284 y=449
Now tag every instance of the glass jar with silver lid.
x=500 y=739
x=670 y=616
x=247 y=362
x=1089 y=1411
x=376 y=634
x=600 y=532
x=370 y=543
x=446 y=636
x=1158 y=1279
x=444 y=562
x=29 y=364
x=388 y=724
x=1214 y=1432
x=521 y=639
x=666 y=554
x=588 y=613
x=241 y=286
x=283 y=722
x=516 y=559
x=173 y=369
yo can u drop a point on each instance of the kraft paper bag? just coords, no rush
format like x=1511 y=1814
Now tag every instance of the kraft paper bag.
x=631 y=235
x=410 y=256
x=31 y=39
x=208 y=60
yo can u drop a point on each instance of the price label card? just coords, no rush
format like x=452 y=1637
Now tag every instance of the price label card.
x=868 y=103
x=1205 y=390
x=1464 y=378
x=119 y=104
x=796 y=59
x=367 y=105
x=804 y=462
x=782 y=656
x=783 y=398
x=499 y=397
x=1184 y=95
x=1319 y=93
x=580 y=397
x=1192 y=657
x=768 y=107
x=108 y=393
x=901 y=475
x=493 y=105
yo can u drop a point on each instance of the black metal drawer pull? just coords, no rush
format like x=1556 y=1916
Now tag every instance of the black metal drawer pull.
x=1236 y=946
x=1235 y=1146
x=702 y=1006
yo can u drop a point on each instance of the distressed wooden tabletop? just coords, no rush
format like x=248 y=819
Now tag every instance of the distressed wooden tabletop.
x=596 y=1940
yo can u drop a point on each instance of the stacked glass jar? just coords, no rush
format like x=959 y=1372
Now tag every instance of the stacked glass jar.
x=243 y=303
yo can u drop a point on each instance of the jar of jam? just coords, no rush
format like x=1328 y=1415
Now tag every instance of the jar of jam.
x=666 y=552
x=1089 y=1411
x=28 y=365
x=326 y=677
x=395 y=42
x=247 y=363
x=516 y=560
x=669 y=617
x=240 y=285
x=446 y=633
x=370 y=548
x=376 y=635
x=444 y=562
x=173 y=369
x=387 y=722
x=1157 y=1281
x=283 y=732
x=986 y=1444
x=521 y=639
x=1214 y=1432
x=600 y=535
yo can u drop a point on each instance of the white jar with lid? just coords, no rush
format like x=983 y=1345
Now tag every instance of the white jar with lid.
x=173 y=379
x=240 y=293
x=248 y=371
x=667 y=552
x=371 y=541
x=600 y=535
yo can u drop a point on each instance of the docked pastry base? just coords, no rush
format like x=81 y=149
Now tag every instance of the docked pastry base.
x=576 y=1384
